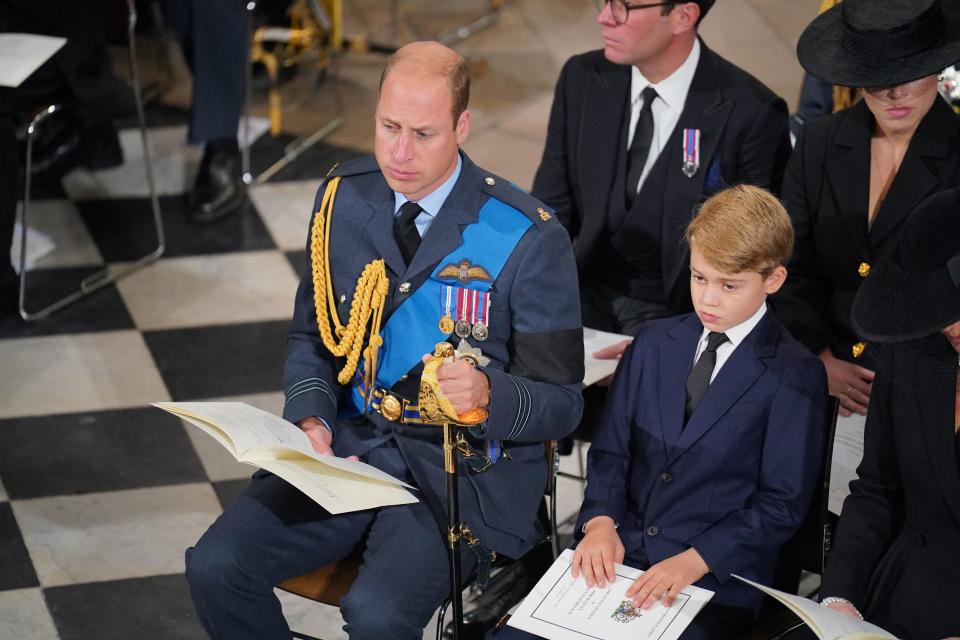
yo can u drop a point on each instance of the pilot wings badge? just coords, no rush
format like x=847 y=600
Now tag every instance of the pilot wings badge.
x=465 y=272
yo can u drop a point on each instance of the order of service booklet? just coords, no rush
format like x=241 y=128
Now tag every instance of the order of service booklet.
x=826 y=623
x=562 y=607
x=269 y=442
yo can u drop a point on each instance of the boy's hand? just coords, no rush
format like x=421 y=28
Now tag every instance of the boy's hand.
x=845 y=607
x=667 y=578
x=613 y=352
x=596 y=553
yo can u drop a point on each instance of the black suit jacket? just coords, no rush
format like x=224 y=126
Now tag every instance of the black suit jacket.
x=896 y=554
x=826 y=190
x=744 y=138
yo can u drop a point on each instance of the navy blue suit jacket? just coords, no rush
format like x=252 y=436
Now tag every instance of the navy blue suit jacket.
x=737 y=480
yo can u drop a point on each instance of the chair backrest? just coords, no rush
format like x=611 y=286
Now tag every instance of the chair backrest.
x=808 y=548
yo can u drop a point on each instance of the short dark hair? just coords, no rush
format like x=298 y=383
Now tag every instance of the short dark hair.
x=703 y=4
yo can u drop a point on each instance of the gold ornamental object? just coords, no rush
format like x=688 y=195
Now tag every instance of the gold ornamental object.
x=858 y=349
x=435 y=408
x=391 y=408
x=864 y=269
x=446 y=325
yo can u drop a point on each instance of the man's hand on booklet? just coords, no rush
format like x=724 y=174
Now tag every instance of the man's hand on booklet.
x=320 y=436
x=596 y=553
x=667 y=578
x=613 y=352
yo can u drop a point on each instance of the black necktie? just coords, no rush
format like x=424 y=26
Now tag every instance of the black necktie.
x=640 y=145
x=405 y=230
x=699 y=378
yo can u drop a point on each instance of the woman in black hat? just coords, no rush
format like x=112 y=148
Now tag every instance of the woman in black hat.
x=855 y=175
x=896 y=555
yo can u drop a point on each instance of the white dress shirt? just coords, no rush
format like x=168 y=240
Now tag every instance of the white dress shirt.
x=735 y=335
x=671 y=96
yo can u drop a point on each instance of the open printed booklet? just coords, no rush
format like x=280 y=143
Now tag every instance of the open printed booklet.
x=269 y=442
x=562 y=607
x=826 y=623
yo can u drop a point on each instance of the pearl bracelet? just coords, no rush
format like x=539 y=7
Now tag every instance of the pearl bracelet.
x=834 y=600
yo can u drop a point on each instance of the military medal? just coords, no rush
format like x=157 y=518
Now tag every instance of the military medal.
x=691 y=152
x=482 y=313
x=464 y=298
x=446 y=323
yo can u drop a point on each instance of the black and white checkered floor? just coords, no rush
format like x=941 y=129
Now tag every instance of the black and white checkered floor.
x=99 y=493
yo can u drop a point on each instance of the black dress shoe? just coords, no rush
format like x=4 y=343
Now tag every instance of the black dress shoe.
x=218 y=191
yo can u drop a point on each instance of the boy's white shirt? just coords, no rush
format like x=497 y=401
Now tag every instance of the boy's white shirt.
x=735 y=335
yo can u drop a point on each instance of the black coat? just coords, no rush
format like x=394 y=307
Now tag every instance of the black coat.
x=826 y=191
x=744 y=138
x=896 y=555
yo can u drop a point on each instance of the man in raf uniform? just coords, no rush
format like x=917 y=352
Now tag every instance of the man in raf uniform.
x=436 y=249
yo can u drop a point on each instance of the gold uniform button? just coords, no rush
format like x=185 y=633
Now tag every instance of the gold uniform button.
x=858 y=349
x=490 y=181
x=343 y=298
x=864 y=269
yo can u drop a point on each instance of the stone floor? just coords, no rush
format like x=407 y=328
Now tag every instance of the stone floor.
x=100 y=494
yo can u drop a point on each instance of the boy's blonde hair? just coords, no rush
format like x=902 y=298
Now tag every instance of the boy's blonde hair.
x=743 y=228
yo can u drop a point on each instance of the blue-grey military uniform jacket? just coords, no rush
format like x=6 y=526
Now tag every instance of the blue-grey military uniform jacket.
x=535 y=347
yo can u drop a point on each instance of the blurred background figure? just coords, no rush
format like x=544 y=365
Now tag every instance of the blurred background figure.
x=80 y=77
x=215 y=41
x=855 y=175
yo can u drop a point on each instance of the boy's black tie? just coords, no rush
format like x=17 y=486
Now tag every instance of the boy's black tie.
x=405 y=230
x=640 y=145
x=699 y=378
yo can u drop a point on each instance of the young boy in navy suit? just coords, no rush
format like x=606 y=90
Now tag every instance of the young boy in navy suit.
x=706 y=458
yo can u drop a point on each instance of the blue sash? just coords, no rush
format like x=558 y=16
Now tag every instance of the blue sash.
x=413 y=330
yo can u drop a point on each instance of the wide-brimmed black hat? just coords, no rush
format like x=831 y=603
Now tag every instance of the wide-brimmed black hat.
x=915 y=291
x=880 y=43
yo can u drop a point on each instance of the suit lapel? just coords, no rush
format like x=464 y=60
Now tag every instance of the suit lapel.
x=676 y=362
x=738 y=374
x=916 y=179
x=848 y=172
x=460 y=209
x=380 y=227
x=935 y=419
x=605 y=103
x=705 y=109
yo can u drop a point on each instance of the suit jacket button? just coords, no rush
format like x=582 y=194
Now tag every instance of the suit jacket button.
x=665 y=477
x=653 y=531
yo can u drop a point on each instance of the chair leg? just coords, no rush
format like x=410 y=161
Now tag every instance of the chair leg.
x=105 y=276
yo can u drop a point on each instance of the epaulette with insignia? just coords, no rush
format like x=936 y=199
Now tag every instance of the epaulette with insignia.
x=511 y=194
x=354 y=167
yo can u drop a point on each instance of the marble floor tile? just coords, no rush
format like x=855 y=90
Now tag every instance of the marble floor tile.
x=203 y=290
x=77 y=372
x=311 y=618
x=114 y=535
x=17 y=571
x=157 y=607
x=529 y=119
x=95 y=451
x=24 y=616
x=3 y=492
x=102 y=310
x=506 y=155
x=218 y=463
x=229 y=490
x=174 y=166
x=61 y=222
x=124 y=230
x=298 y=260
x=218 y=361
x=286 y=208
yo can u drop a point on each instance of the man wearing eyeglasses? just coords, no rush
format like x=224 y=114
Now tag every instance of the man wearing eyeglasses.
x=640 y=133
